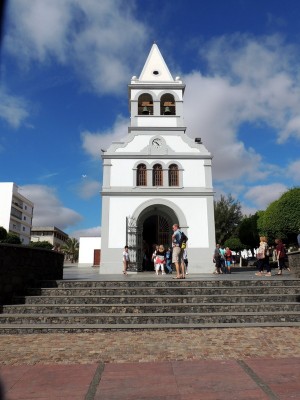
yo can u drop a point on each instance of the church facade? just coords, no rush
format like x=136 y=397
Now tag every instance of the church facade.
x=156 y=176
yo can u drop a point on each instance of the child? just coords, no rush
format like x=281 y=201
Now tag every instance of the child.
x=160 y=260
x=125 y=260
x=228 y=257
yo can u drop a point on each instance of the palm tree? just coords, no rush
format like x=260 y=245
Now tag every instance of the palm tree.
x=71 y=249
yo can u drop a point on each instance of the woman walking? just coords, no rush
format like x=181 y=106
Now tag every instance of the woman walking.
x=263 y=258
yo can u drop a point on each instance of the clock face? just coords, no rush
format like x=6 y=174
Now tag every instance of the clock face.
x=157 y=143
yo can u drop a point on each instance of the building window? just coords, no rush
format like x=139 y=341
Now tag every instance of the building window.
x=157 y=175
x=24 y=218
x=145 y=104
x=141 y=176
x=167 y=105
x=173 y=175
x=23 y=229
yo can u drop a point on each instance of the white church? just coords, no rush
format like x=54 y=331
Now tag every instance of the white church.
x=156 y=176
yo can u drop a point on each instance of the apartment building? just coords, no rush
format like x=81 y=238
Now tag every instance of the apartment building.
x=16 y=211
x=49 y=234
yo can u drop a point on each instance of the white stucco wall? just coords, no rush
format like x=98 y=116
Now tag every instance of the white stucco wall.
x=87 y=245
x=6 y=190
x=195 y=210
x=190 y=178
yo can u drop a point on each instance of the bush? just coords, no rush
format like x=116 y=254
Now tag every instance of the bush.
x=12 y=239
x=3 y=233
x=42 y=245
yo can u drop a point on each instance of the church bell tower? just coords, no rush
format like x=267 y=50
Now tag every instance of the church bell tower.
x=156 y=176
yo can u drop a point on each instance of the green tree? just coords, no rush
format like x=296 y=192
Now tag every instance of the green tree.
x=12 y=239
x=282 y=218
x=228 y=216
x=42 y=245
x=248 y=231
x=236 y=245
x=71 y=249
x=3 y=233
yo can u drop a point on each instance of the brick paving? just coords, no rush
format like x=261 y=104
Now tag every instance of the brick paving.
x=149 y=346
x=209 y=364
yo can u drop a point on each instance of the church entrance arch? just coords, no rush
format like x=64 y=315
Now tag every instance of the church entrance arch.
x=155 y=223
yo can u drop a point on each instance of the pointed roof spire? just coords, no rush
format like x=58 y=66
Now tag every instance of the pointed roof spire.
x=155 y=68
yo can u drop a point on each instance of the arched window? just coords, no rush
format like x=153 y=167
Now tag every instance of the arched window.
x=141 y=175
x=173 y=175
x=157 y=175
x=167 y=104
x=145 y=104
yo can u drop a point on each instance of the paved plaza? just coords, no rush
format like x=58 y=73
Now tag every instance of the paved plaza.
x=231 y=363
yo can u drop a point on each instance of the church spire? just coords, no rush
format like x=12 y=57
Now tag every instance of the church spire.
x=155 y=68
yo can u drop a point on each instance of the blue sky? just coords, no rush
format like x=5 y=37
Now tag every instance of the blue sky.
x=65 y=67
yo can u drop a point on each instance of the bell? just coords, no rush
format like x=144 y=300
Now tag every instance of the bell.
x=167 y=111
x=145 y=111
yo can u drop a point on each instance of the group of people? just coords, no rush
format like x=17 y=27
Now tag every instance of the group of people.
x=263 y=257
x=163 y=259
x=223 y=259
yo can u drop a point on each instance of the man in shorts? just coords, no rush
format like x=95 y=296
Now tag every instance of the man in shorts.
x=177 y=252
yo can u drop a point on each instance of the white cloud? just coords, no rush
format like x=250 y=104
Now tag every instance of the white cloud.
x=250 y=81
x=13 y=109
x=48 y=210
x=293 y=171
x=90 y=232
x=94 y=142
x=88 y=188
x=100 y=39
x=261 y=196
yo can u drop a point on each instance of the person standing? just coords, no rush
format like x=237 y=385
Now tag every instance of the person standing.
x=217 y=259
x=280 y=256
x=228 y=260
x=185 y=261
x=169 y=260
x=263 y=257
x=160 y=260
x=126 y=260
x=223 y=259
x=153 y=258
x=177 y=252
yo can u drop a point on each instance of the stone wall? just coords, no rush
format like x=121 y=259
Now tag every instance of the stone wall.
x=294 y=262
x=23 y=266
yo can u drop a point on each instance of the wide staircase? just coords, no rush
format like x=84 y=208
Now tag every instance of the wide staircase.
x=90 y=306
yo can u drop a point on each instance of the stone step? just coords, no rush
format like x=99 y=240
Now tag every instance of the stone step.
x=84 y=291
x=166 y=281
x=13 y=329
x=158 y=303
x=152 y=318
x=151 y=299
x=142 y=308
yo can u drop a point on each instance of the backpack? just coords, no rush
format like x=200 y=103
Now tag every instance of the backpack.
x=182 y=241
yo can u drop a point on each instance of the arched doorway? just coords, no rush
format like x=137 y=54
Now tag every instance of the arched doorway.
x=156 y=229
x=151 y=223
